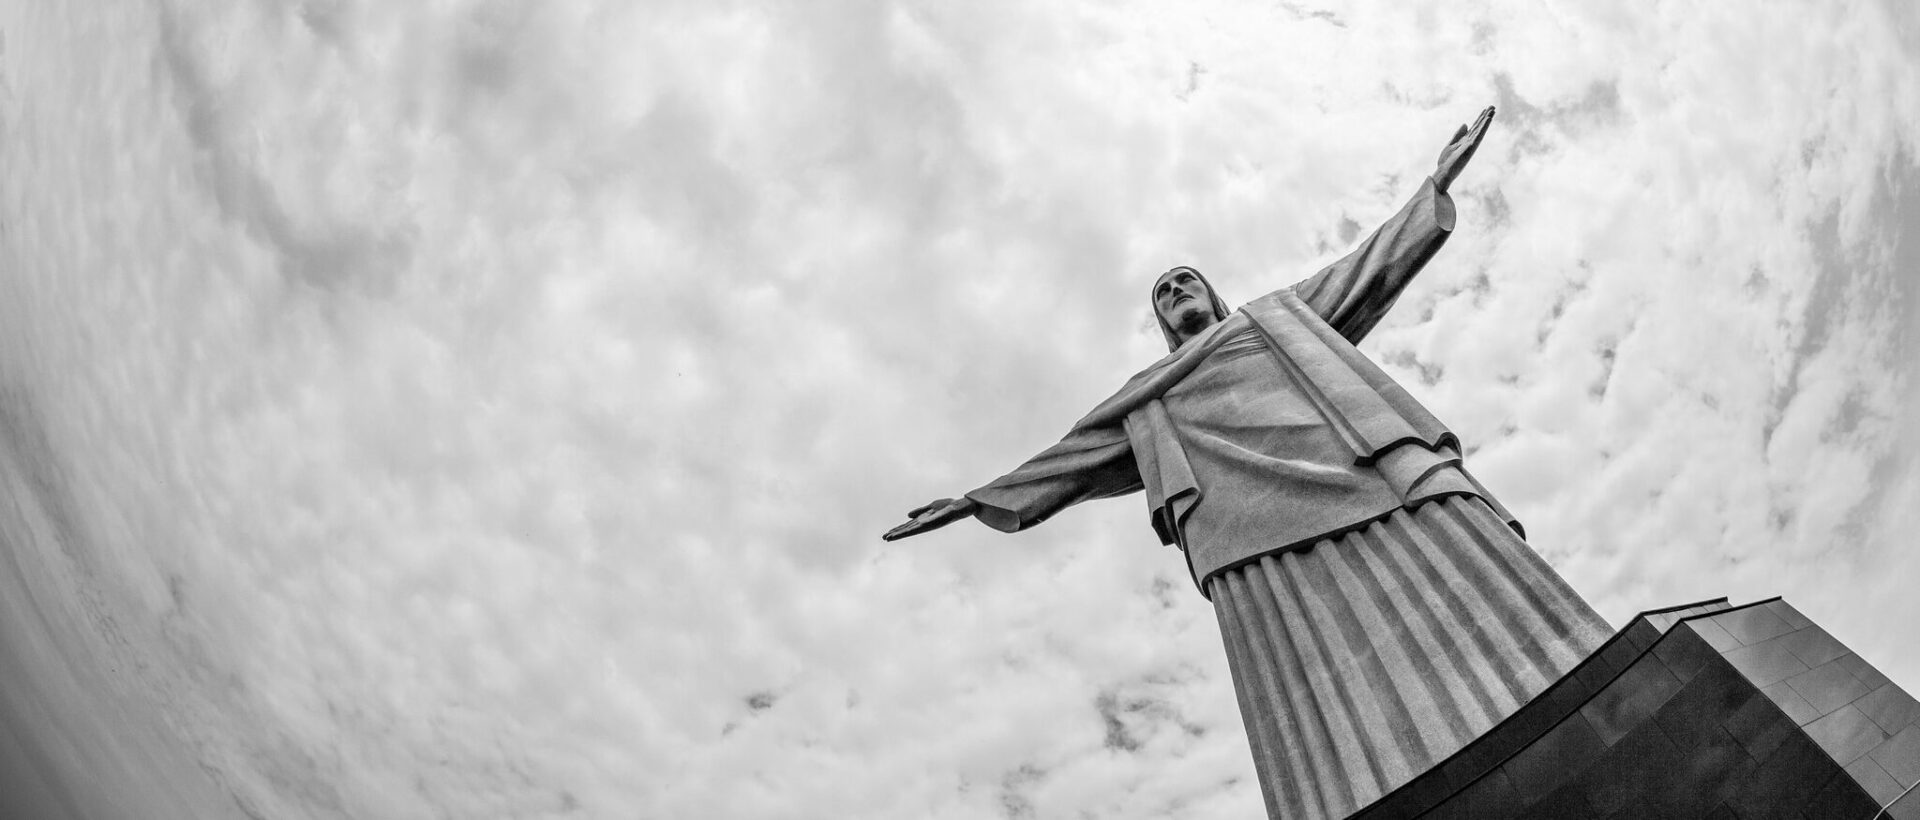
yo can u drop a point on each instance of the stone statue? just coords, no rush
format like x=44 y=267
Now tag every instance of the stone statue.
x=1378 y=605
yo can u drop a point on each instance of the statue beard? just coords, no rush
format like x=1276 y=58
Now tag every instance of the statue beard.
x=1193 y=319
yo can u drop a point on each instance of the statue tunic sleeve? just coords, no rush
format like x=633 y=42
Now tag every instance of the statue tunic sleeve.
x=1092 y=461
x=1353 y=294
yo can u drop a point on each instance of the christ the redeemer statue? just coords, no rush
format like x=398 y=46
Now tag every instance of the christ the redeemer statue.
x=1378 y=606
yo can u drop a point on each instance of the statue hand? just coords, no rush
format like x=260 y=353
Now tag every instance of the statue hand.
x=932 y=516
x=1465 y=141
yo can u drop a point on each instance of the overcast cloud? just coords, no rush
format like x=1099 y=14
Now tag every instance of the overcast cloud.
x=490 y=409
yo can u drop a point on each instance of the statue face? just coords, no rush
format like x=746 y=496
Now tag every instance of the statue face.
x=1182 y=299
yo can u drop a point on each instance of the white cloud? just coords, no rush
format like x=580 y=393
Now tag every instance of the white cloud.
x=491 y=409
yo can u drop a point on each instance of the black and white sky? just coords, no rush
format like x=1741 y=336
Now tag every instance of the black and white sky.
x=490 y=409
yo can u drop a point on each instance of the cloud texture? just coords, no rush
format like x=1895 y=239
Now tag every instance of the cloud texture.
x=490 y=408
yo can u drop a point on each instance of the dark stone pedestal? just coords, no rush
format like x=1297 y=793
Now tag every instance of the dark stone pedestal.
x=1703 y=711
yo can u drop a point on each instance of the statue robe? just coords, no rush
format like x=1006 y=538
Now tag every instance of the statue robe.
x=1378 y=607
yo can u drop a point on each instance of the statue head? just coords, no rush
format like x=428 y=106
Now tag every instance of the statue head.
x=1184 y=303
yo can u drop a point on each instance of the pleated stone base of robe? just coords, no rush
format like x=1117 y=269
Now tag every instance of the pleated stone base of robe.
x=1371 y=657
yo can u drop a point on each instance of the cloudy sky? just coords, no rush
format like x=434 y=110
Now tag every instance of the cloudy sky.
x=490 y=409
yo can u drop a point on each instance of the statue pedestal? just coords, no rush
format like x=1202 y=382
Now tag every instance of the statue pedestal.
x=1702 y=710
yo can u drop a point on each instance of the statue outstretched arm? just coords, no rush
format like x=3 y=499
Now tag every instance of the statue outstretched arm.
x=1354 y=293
x=1093 y=461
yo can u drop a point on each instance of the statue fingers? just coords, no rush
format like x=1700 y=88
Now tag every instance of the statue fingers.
x=937 y=503
x=902 y=531
x=1481 y=125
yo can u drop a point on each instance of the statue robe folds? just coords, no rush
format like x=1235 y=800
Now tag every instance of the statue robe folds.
x=1269 y=431
x=1378 y=607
